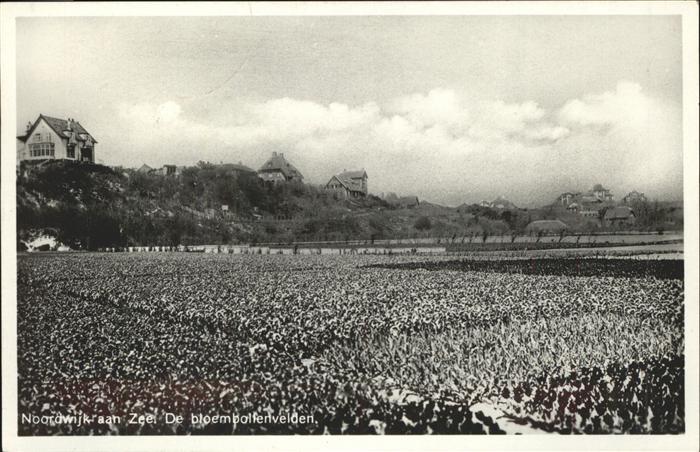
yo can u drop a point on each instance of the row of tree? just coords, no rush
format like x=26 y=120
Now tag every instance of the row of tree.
x=93 y=206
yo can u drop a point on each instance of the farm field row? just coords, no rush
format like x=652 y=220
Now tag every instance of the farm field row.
x=360 y=349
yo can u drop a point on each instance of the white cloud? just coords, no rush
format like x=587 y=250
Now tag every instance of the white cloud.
x=632 y=139
x=168 y=112
x=625 y=105
x=435 y=144
x=437 y=107
x=547 y=132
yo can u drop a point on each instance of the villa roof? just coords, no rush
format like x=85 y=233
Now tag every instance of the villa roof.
x=60 y=126
x=278 y=163
x=352 y=180
x=618 y=213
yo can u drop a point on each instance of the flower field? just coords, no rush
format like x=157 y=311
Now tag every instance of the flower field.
x=363 y=344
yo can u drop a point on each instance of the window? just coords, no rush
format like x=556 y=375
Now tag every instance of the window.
x=37 y=137
x=41 y=150
x=71 y=151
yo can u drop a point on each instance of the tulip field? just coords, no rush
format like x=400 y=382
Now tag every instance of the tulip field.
x=353 y=344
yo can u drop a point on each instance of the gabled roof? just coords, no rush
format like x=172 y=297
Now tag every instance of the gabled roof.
x=144 y=168
x=352 y=180
x=359 y=174
x=504 y=202
x=60 y=126
x=634 y=194
x=618 y=213
x=237 y=167
x=278 y=163
x=590 y=199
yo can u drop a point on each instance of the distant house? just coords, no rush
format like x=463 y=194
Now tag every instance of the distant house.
x=167 y=170
x=565 y=198
x=602 y=193
x=573 y=207
x=402 y=202
x=237 y=168
x=349 y=184
x=633 y=197
x=278 y=169
x=170 y=170
x=589 y=213
x=408 y=202
x=50 y=138
x=591 y=199
x=619 y=216
x=546 y=226
x=500 y=203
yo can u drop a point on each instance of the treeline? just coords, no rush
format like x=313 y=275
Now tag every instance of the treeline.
x=87 y=206
x=649 y=216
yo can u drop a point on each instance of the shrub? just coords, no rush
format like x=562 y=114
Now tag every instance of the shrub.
x=423 y=224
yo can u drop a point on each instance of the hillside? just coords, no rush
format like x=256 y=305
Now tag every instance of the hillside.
x=88 y=206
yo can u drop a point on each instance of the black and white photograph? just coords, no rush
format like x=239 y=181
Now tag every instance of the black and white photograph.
x=299 y=219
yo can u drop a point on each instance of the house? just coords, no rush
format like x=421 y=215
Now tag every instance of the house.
x=167 y=170
x=278 y=169
x=408 y=202
x=390 y=198
x=589 y=213
x=633 y=197
x=573 y=207
x=144 y=169
x=546 y=226
x=565 y=198
x=619 y=216
x=602 y=193
x=237 y=168
x=502 y=203
x=50 y=138
x=591 y=199
x=170 y=170
x=349 y=184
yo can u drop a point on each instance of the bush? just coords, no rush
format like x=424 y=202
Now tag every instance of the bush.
x=423 y=224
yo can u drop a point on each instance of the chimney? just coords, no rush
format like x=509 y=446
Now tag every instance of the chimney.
x=70 y=124
x=29 y=126
x=274 y=154
x=281 y=154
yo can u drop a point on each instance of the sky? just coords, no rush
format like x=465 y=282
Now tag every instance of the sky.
x=452 y=109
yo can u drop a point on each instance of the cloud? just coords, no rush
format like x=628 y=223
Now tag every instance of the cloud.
x=437 y=107
x=437 y=145
x=629 y=136
x=625 y=105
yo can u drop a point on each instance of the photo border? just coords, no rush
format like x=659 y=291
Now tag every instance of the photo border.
x=11 y=442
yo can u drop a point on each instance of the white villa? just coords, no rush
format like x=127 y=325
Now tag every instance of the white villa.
x=50 y=138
